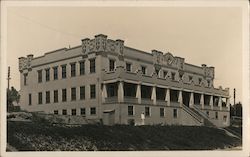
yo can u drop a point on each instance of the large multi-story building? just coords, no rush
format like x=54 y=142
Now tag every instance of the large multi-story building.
x=103 y=79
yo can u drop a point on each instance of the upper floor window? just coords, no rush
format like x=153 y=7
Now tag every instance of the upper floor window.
x=40 y=98
x=64 y=71
x=200 y=79
x=165 y=73
x=25 y=79
x=47 y=71
x=92 y=65
x=55 y=69
x=208 y=83
x=173 y=75
x=111 y=65
x=82 y=92
x=190 y=78
x=128 y=67
x=82 y=68
x=47 y=97
x=55 y=96
x=73 y=93
x=92 y=91
x=73 y=69
x=143 y=70
x=64 y=94
x=157 y=72
x=40 y=76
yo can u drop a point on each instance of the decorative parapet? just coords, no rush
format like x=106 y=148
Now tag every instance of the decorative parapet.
x=25 y=63
x=101 y=44
x=208 y=71
x=167 y=59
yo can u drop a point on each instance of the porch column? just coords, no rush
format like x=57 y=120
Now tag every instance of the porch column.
x=104 y=92
x=202 y=101
x=167 y=97
x=120 y=92
x=138 y=93
x=220 y=103
x=180 y=100
x=153 y=95
x=211 y=102
x=191 y=101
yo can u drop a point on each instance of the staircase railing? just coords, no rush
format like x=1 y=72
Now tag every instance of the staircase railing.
x=206 y=119
x=200 y=112
x=193 y=114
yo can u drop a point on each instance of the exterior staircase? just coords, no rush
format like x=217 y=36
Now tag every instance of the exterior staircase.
x=205 y=117
x=194 y=114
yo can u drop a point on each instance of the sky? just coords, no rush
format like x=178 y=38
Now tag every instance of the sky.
x=201 y=35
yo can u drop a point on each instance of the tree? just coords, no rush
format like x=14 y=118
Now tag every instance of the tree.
x=236 y=110
x=12 y=96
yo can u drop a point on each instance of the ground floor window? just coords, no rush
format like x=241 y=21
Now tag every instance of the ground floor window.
x=83 y=111
x=130 y=110
x=175 y=113
x=92 y=110
x=147 y=111
x=225 y=119
x=55 y=111
x=131 y=122
x=207 y=113
x=162 y=112
x=216 y=115
x=73 y=112
x=64 y=112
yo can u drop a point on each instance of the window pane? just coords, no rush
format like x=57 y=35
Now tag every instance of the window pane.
x=73 y=70
x=40 y=98
x=130 y=110
x=82 y=92
x=47 y=96
x=55 y=96
x=55 y=73
x=47 y=74
x=82 y=68
x=92 y=65
x=73 y=93
x=64 y=95
x=92 y=91
x=92 y=110
x=64 y=72
x=40 y=76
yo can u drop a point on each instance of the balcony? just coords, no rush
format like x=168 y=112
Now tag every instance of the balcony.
x=111 y=99
x=161 y=102
x=174 y=104
x=146 y=101
x=207 y=107
x=129 y=99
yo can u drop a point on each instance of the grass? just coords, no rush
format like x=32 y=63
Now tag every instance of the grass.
x=40 y=137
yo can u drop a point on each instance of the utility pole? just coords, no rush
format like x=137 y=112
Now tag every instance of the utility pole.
x=8 y=78
x=234 y=102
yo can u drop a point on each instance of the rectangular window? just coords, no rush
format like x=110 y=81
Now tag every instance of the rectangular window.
x=55 y=69
x=128 y=67
x=173 y=75
x=92 y=92
x=73 y=94
x=55 y=96
x=40 y=98
x=175 y=113
x=64 y=112
x=216 y=115
x=30 y=99
x=64 y=71
x=47 y=72
x=25 y=79
x=64 y=95
x=162 y=112
x=111 y=65
x=73 y=112
x=73 y=69
x=55 y=111
x=165 y=73
x=47 y=97
x=92 y=111
x=157 y=72
x=82 y=92
x=40 y=76
x=92 y=65
x=143 y=70
x=147 y=111
x=130 y=110
x=190 y=78
x=82 y=68
x=83 y=111
x=207 y=113
x=200 y=79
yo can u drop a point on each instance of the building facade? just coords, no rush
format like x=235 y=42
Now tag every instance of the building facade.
x=104 y=79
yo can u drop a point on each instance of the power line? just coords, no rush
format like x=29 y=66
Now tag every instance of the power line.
x=44 y=25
